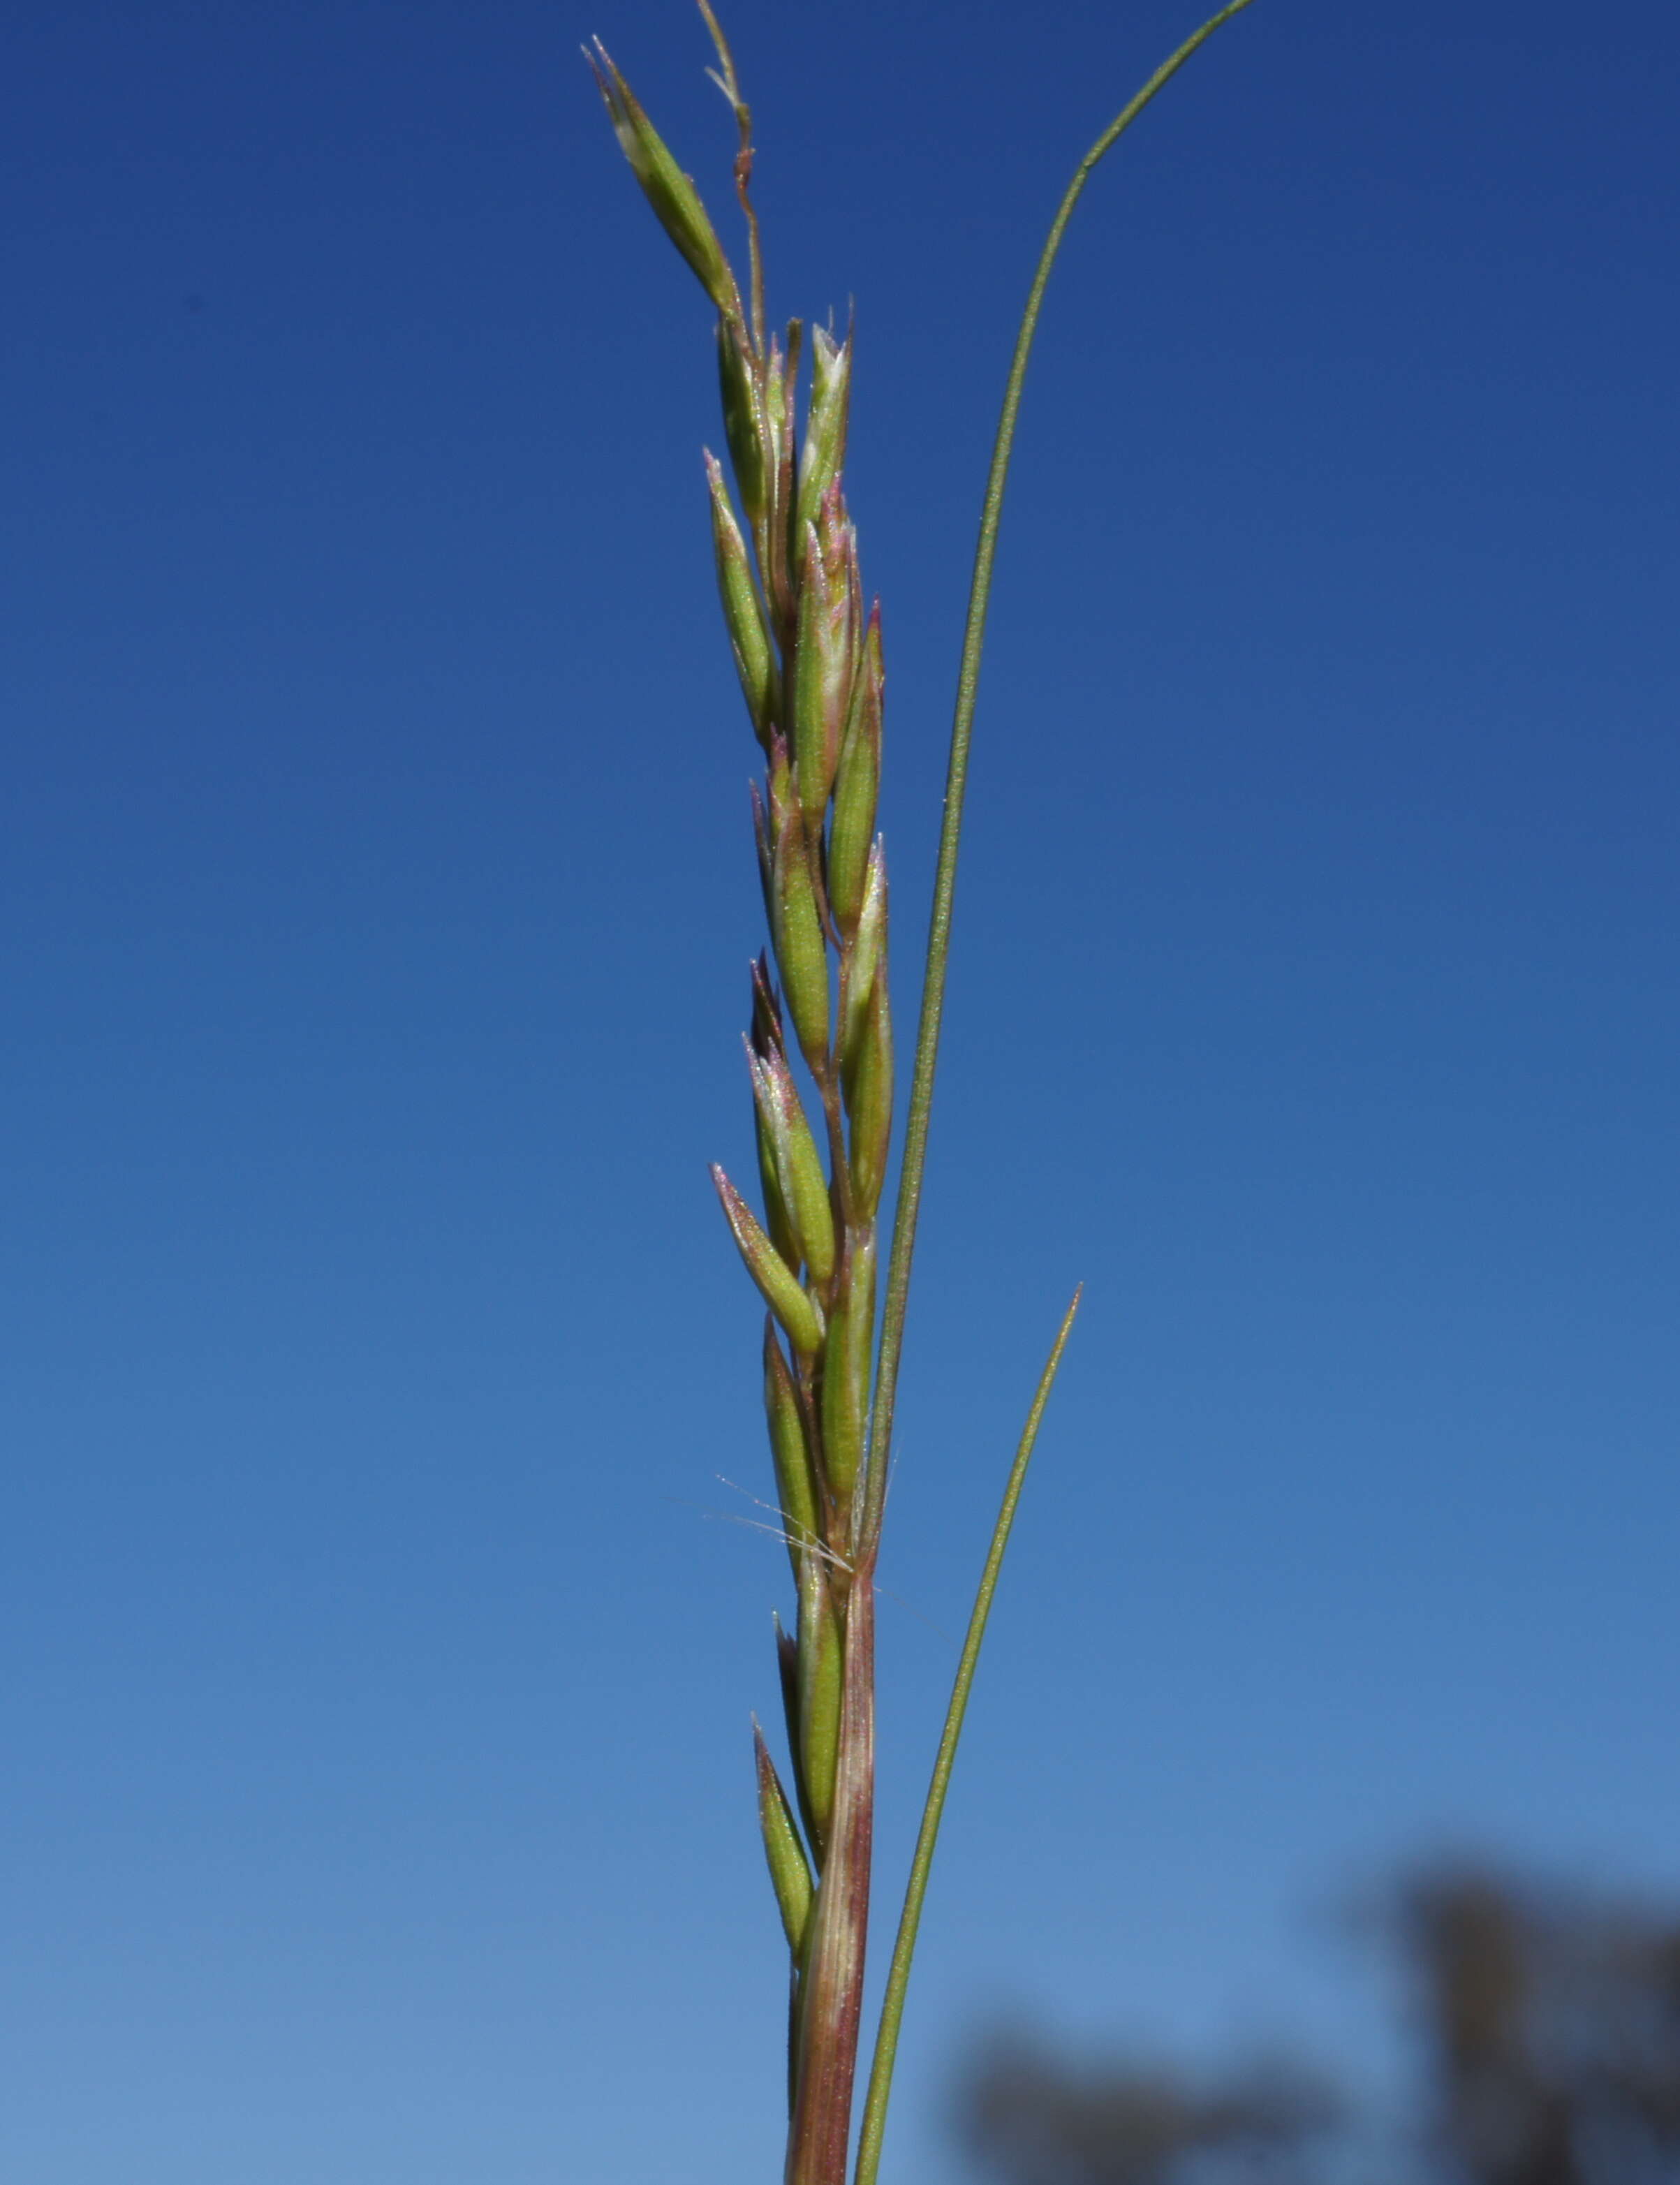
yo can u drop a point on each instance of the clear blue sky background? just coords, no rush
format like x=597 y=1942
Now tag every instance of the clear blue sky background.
x=377 y=900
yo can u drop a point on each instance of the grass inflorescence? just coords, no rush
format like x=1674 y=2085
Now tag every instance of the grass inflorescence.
x=807 y=653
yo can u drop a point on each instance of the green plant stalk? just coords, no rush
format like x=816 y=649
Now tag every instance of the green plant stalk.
x=908 y=1206
x=832 y=1972
x=909 y=1201
x=904 y=1949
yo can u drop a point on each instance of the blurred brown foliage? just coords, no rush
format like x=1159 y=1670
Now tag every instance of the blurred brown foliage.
x=1549 y=2028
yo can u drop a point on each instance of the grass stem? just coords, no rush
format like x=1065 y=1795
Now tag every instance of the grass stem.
x=911 y=1175
x=898 y=1975
x=909 y=1201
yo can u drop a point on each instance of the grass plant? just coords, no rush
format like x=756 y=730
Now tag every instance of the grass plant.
x=807 y=654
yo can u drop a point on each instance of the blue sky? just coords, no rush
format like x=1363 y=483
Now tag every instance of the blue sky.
x=378 y=897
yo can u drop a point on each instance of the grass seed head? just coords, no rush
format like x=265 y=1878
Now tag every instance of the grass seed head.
x=865 y=957
x=744 y=422
x=667 y=189
x=799 y=1165
x=797 y=1310
x=796 y=1483
x=869 y=1100
x=822 y=1665
x=846 y=1366
x=857 y=786
x=823 y=453
x=743 y=617
x=802 y=951
x=789 y=1868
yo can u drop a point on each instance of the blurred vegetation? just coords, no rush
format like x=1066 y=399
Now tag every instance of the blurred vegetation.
x=1549 y=2028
